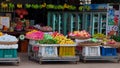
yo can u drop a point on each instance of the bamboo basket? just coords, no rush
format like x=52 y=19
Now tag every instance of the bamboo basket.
x=8 y=43
x=88 y=44
x=116 y=45
x=77 y=37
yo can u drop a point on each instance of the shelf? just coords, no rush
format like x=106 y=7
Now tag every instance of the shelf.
x=100 y=57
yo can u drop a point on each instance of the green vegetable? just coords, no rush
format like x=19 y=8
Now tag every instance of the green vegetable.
x=47 y=36
x=48 y=41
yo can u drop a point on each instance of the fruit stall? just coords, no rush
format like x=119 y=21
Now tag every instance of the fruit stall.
x=99 y=47
x=50 y=47
x=8 y=49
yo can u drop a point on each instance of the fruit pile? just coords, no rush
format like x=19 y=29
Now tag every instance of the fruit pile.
x=61 y=39
x=111 y=41
x=34 y=34
x=99 y=36
x=46 y=28
x=1 y=34
x=82 y=34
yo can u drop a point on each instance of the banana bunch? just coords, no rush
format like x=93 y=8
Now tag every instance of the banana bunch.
x=60 y=7
x=4 y=5
x=66 y=5
x=99 y=36
x=43 y=5
x=11 y=5
x=19 y=5
x=63 y=40
x=27 y=5
x=71 y=7
x=1 y=34
x=49 y=6
x=35 y=6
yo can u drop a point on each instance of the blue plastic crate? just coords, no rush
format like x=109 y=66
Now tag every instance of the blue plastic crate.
x=10 y=53
x=108 y=51
x=1 y=53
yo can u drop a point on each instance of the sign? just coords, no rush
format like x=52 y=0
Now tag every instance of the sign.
x=4 y=21
x=96 y=6
x=113 y=20
x=93 y=7
x=49 y=51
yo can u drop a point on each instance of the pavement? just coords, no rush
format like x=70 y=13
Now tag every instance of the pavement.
x=25 y=63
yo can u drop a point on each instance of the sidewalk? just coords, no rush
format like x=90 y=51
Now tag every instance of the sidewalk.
x=25 y=63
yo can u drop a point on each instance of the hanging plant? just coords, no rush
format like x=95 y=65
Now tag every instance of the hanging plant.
x=4 y=5
x=19 y=5
x=11 y=5
x=35 y=6
x=27 y=5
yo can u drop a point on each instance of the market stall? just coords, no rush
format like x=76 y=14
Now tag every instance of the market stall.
x=96 y=48
x=8 y=49
x=50 y=47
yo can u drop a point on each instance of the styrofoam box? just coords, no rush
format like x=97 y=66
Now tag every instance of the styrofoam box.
x=48 y=51
x=91 y=51
x=13 y=46
x=32 y=42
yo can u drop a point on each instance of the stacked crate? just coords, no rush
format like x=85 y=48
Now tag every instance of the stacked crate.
x=99 y=51
x=108 y=51
x=8 y=52
x=91 y=51
x=67 y=51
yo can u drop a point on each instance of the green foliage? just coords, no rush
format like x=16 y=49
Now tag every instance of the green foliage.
x=116 y=38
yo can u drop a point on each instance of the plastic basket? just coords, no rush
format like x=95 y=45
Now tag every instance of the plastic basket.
x=91 y=51
x=108 y=51
x=10 y=53
x=66 y=51
x=77 y=37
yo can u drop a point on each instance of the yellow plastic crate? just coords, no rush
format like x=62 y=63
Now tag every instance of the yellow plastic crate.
x=66 y=51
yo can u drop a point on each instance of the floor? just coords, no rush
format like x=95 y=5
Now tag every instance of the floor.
x=25 y=63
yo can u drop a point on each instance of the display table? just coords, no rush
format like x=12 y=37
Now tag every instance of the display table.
x=52 y=52
x=85 y=58
x=8 y=53
x=97 y=51
x=15 y=33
